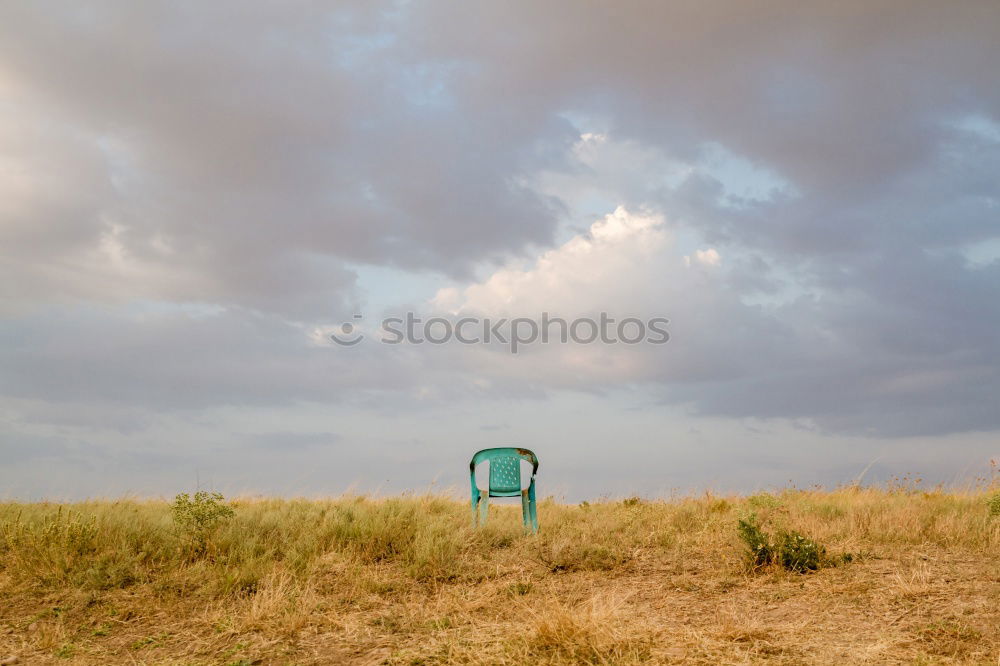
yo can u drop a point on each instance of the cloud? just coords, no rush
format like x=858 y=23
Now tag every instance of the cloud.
x=709 y=257
x=192 y=198
x=176 y=360
x=243 y=158
x=627 y=266
x=588 y=270
x=843 y=361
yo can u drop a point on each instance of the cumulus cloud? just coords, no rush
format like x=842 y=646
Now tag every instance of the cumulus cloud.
x=599 y=267
x=843 y=361
x=626 y=266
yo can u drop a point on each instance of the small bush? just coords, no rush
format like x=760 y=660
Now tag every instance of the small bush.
x=994 y=504
x=760 y=549
x=799 y=553
x=791 y=550
x=200 y=515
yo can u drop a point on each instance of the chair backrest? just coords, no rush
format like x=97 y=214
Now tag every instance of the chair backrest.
x=505 y=467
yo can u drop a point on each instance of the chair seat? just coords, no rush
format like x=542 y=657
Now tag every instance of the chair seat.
x=505 y=493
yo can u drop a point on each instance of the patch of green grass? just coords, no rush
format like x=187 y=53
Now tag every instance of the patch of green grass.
x=149 y=641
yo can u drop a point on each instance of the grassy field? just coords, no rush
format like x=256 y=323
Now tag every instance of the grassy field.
x=908 y=577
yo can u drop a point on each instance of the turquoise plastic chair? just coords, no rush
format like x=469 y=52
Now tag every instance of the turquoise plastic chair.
x=505 y=481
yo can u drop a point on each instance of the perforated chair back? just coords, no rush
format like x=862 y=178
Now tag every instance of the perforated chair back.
x=505 y=474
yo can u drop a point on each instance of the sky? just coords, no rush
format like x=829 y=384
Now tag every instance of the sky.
x=195 y=197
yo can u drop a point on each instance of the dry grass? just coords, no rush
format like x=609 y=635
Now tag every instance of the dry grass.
x=406 y=581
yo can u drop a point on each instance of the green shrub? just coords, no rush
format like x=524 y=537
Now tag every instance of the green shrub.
x=200 y=515
x=799 y=553
x=760 y=549
x=994 y=504
x=791 y=550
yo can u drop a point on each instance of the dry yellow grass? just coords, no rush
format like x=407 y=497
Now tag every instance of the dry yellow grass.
x=407 y=581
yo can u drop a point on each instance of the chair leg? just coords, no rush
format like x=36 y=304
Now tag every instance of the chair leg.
x=484 y=508
x=525 y=510
x=533 y=507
